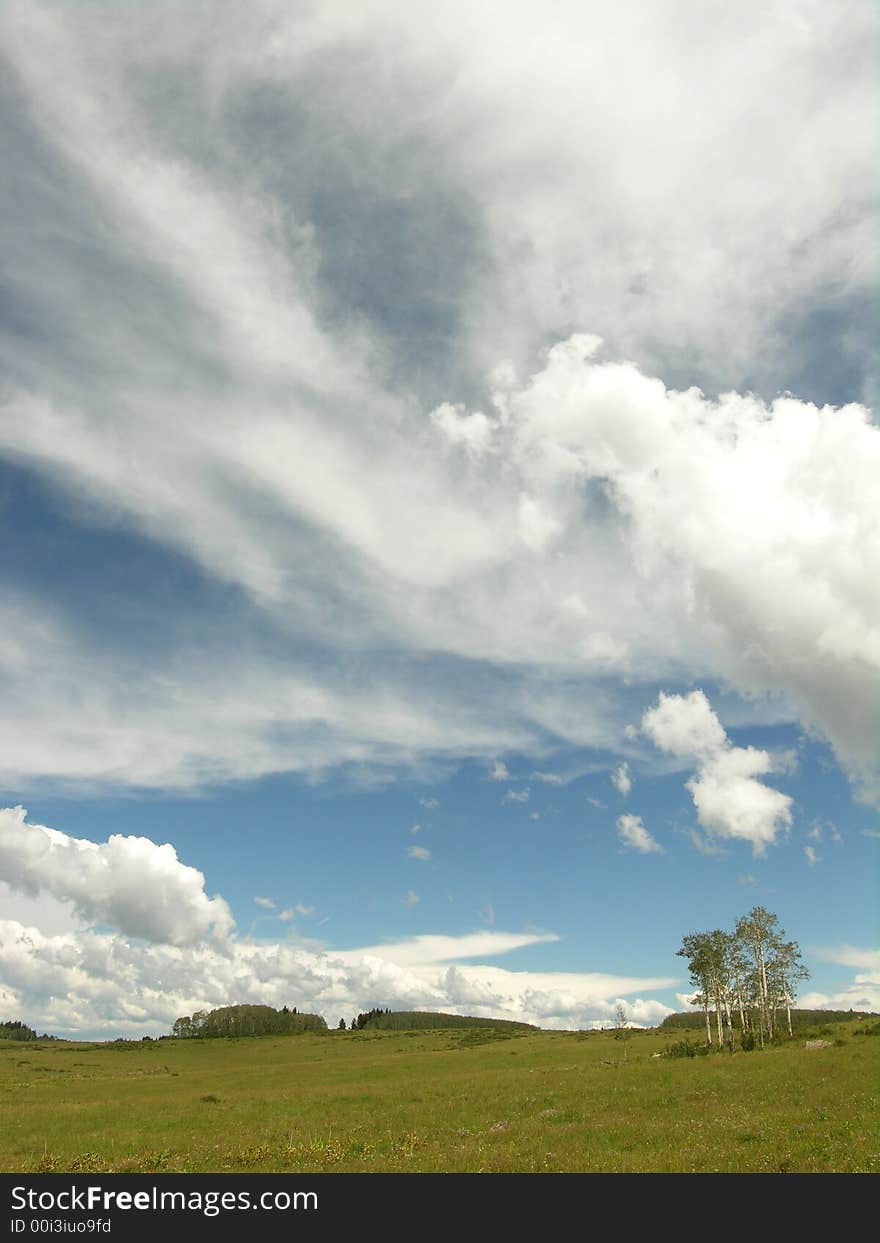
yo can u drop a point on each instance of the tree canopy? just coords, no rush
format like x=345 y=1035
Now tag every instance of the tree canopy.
x=245 y=1021
x=744 y=979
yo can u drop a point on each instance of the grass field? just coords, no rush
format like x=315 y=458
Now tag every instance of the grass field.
x=444 y=1101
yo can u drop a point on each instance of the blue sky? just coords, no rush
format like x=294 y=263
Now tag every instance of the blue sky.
x=438 y=482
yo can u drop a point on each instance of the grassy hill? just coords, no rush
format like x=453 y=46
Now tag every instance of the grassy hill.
x=447 y=1100
x=425 y=1020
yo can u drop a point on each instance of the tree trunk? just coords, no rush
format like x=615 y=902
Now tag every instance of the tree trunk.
x=767 y=1020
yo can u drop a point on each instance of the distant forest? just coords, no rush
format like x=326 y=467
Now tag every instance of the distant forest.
x=245 y=1021
x=16 y=1030
x=799 y=1018
x=423 y=1020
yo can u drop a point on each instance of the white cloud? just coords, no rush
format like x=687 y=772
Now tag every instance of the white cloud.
x=430 y=804
x=517 y=796
x=418 y=852
x=131 y=883
x=685 y=725
x=416 y=828
x=431 y=949
x=621 y=779
x=411 y=899
x=592 y=525
x=266 y=903
x=729 y=800
x=472 y=432
x=287 y=914
x=80 y=980
x=43 y=911
x=550 y=779
x=852 y=956
x=633 y=833
x=487 y=914
x=811 y=855
x=860 y=993
x=499 y=772
x=84 y=982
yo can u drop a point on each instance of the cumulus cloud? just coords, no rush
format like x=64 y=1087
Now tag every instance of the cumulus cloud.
x=685 y=725
x=498 y=771
x=811 y=855
x=621 y=779
x=266 y=903
x=517 y=796
x=418 y=852
x=473 y=432
x=633 y=833
x=412 y=899
x=86 y=982
x=130 y=883
x=729 y=800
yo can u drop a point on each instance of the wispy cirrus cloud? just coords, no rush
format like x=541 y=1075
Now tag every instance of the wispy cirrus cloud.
x=248 y=399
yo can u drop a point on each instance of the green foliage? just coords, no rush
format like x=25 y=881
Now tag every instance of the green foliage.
x=684 y=1048
x=16 y=1030
x=870 y=1029
x=800 y=1019
x=423 y=1020
x=368 y=1019
x=245 y=1021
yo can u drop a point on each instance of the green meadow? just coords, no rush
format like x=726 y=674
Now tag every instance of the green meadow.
x=440 y=1101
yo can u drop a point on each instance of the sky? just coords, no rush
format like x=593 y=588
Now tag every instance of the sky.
x=440 y=502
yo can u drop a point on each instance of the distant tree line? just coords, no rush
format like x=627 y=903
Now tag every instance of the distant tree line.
x=745 y=980
x=799 y=1019
x=16 y=1030
x=245 y=1021
x=367 y=1019
x=424 y=1020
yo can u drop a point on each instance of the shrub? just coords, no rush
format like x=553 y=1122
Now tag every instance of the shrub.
x=684 y=1048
